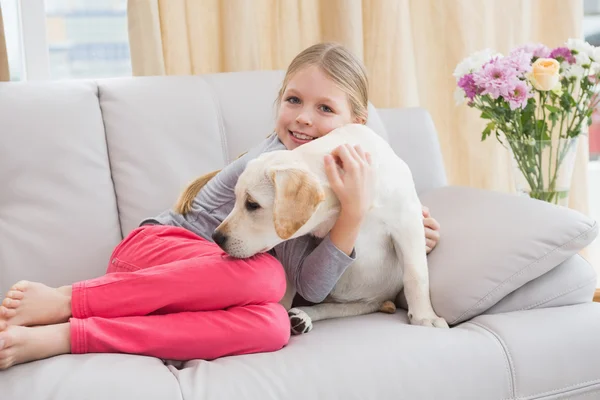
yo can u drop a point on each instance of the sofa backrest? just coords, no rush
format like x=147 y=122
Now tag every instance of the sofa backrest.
x=82 y=162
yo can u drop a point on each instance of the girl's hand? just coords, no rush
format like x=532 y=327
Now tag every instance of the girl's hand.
x=354 y=188
x=432 y=230
x=354 y=184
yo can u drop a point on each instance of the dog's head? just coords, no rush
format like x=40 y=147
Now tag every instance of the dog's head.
x=274 y=201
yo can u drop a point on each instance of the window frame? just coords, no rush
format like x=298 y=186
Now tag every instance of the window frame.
x=35 y=56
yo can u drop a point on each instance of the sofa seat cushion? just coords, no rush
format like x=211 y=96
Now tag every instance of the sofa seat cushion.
x=493 y=243
x=380 y=356
x=90 y=377
x=375 y=356
x=553 y=353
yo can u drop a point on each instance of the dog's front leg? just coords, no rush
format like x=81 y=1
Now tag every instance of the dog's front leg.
x=409 y=241
x=302 y=318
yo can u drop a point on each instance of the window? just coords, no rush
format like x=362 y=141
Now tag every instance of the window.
x=66 y=39
x=87 y=39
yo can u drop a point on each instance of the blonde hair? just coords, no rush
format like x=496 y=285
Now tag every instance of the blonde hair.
x=340 y=65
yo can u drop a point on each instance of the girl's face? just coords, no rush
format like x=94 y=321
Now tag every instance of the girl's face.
x=311 y=107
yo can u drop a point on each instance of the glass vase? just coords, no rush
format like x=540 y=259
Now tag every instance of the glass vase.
x=543 y=169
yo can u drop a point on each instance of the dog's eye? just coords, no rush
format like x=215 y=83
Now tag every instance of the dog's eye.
x=251 y=205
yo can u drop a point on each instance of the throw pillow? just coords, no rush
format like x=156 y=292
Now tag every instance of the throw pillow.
x=493 y=243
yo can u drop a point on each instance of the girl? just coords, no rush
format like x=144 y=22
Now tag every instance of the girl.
x=170 y=292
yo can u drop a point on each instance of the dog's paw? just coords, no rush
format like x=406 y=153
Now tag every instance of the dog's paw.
x=300 y=322
x=388 y=307
x=431 y=320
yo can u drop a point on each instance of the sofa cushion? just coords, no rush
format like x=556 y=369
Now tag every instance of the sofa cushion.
x=493 y=243
x=245 y=102
x=376 y=356
x=553 y=353
x=161 y=132
x=90 y=377
x=58 y=213
x=380 y=356
x=572 y=282
x=413 y=136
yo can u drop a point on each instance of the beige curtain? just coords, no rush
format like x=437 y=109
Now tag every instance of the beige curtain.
x=410 y=48
x=4 y=75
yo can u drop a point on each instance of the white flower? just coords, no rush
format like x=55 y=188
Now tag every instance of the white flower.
x=473 y=62
x=581 y=46
x=574 y=70
x=596 y=55
x=582 y=59
x=459 y=96
x=595 y=68
x=530 y=141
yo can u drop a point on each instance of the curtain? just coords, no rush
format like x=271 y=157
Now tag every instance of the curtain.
x=4 y=73
x=410 y=48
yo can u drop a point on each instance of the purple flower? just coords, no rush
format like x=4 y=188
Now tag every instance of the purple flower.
x=519 y=60
x=518 y=95
x=563 y=53
x=537 y=50
x=467 y=84
x=496 y=78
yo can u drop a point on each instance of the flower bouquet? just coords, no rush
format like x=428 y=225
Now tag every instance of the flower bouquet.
x=538 y=101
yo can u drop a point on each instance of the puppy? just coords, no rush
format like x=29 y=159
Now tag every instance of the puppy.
x=286 y=194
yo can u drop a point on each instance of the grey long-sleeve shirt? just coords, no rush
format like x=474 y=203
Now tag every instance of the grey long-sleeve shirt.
x=313 y=264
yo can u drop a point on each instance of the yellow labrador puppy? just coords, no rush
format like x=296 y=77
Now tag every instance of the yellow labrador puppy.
x=285 y=194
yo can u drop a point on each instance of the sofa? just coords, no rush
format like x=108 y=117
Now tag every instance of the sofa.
x=82 y=162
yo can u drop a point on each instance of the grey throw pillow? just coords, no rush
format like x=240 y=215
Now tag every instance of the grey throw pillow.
x=492 y=243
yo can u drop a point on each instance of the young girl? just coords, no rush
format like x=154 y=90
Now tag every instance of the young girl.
x=171 y=293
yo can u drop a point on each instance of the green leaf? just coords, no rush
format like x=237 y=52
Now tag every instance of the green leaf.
x=553 y=109
x=527 y=115
x=486 y=115
x=542 y=130
x=567 y=101
x=488 y=130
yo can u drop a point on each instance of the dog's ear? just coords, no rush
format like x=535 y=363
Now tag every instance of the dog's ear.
x=297 y=196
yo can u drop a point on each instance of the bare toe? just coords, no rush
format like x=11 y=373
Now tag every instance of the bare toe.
x=3 y=325
x=11 y=303
x=15 y=295
x=7 y=313
x=21 y=286
x=19 y=344
x=6 y=350
x=34 y=304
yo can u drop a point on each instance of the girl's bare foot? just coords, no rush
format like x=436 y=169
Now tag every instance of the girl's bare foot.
x=31 y=303
x=19 y=344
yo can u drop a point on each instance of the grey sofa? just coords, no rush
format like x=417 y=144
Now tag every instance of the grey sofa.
x=82 y=162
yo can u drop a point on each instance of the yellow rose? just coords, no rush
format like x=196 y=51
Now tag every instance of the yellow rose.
x=544 y=74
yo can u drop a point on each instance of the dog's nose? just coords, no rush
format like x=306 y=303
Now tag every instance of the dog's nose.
x=219 y=238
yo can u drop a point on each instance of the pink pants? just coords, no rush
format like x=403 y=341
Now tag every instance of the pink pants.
x=171 y=294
